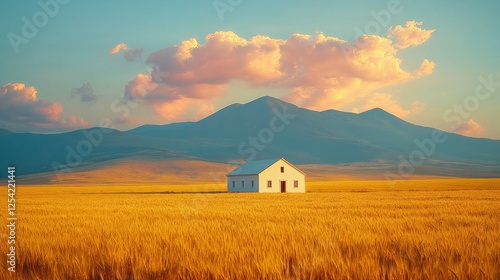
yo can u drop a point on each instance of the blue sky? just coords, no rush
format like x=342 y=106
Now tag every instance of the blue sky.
x=72 y=49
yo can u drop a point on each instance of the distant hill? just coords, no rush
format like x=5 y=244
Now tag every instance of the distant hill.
x=315 y=137
x=264 y=128
x=35 y=153
x=140 y=170
x=4 y=131
x=136 y=170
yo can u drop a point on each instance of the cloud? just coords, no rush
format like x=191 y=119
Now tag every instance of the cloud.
x=319 y=72
x=124 y=119
x=417 y=107
x=118 y=48
x=426 y=68
x=324 y=72
x=86 y=93
x=167 y=101
x=184 y=109
x=128 y=54
x=385 y=101
x=469 y=128
x=131 y=55
x=411 y=35
x=20 y=109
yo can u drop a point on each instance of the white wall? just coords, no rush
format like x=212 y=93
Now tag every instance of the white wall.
x=247 y=183
x=290 y=174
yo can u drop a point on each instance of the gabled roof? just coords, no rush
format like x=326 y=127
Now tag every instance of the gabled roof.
x=256 y=167
x=253 y=167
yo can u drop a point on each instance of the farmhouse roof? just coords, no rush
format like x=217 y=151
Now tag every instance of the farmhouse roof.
x=256 y=166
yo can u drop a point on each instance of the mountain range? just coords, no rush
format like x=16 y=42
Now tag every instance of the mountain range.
x=264 y=128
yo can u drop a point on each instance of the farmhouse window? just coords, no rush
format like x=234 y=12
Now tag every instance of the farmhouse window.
x=234 y=183
x=295 y=184
x=282 y=169
x=269 y=184
x=252 y=183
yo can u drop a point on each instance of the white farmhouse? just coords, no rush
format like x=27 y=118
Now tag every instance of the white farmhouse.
x=271 y=175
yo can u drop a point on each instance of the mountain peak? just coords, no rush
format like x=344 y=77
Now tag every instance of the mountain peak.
x=266 y=98
x=269 y=100
x=380 y=115
x=377 y=112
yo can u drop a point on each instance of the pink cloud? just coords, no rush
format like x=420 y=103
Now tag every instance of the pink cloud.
x=319 y=72
x=469 y=128
x=118 y=48
x=323 y=75
x=20 y=109
x=73 y=122
x=128 y=54
x=167 y=100
x=184 y=109
x=410 y=35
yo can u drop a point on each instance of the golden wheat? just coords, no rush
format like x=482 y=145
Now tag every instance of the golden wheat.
x=360 y=230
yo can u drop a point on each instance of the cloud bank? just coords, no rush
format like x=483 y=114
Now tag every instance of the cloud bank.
x=20 y=108
x=319 y=72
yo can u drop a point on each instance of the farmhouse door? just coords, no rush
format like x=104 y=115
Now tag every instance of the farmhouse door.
x=283 y=186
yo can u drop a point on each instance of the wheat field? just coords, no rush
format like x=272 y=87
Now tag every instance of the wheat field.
x=426 y=229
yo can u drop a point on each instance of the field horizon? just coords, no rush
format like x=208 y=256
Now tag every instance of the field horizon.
x=158 y=171
x=343 y=229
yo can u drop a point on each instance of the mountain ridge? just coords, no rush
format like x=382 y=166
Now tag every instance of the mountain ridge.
x=263 y=128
